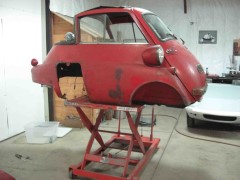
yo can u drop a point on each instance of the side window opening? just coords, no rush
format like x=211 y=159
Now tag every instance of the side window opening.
x=110 y=28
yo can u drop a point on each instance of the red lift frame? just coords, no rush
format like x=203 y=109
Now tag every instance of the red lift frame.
x=134 y=142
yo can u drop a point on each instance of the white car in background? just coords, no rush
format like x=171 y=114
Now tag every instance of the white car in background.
x=221 y=104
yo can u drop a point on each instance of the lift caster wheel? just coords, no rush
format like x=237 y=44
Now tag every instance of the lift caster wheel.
x=71 y=175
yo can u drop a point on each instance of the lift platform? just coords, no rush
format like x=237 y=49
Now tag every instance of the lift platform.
x=129 y=142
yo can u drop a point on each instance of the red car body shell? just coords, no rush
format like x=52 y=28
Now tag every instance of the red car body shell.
x=117 y=74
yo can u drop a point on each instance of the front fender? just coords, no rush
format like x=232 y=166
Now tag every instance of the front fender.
x=160 y=92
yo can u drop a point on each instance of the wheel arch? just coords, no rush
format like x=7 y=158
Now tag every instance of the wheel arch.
x=158 y=92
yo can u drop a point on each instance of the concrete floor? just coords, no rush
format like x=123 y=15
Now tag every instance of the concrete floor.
x=210 y=152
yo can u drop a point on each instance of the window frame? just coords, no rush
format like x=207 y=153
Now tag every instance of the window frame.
x=108 y=29
x=172 y=37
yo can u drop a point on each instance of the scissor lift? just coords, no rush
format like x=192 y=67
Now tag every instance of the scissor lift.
x=130 y=142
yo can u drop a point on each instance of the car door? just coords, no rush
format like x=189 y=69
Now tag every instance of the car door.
x=187 y=68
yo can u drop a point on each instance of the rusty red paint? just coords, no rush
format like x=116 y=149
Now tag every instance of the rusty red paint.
x=115 y=73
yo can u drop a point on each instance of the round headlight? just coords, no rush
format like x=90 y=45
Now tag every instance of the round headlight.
x=160 y=54
x=153 y=55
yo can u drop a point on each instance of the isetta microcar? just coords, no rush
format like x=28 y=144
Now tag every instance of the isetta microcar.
x=131 y=57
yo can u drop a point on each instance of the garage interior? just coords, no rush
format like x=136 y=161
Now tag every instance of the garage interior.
x=207 y=150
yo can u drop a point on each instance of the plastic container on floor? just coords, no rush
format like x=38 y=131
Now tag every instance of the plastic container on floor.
x=41 y=132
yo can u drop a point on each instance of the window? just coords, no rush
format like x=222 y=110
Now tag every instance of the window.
x=159 y=28
x=110 y=28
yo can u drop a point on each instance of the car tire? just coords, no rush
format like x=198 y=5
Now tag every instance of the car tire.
x=190 y=122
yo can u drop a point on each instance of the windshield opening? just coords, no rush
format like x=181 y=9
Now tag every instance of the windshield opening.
x=159 y=28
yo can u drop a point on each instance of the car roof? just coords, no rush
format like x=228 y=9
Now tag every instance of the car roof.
x=105 y=9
